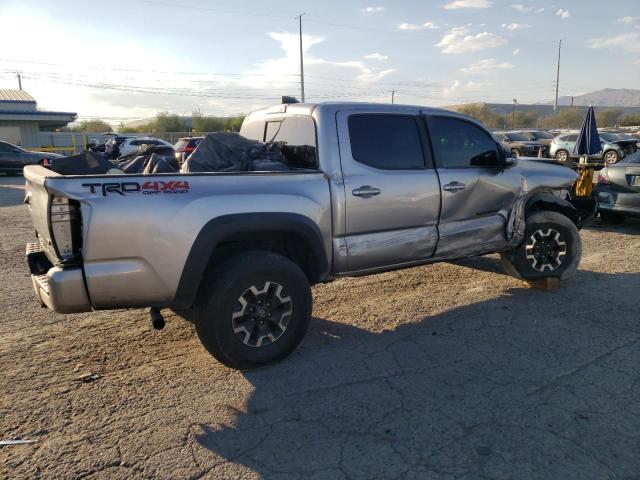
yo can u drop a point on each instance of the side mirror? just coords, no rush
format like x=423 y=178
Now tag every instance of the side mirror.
x=510 y=162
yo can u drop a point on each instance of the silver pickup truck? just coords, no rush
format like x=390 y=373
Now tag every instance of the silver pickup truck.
x=380 y=187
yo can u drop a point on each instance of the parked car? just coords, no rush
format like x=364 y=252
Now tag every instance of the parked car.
x=520 y=145
x=132 y=144
x=13 y=158
x=538 y=136
x=614 y=148
x=237 y=253
x=618 y=189
x=185 y=146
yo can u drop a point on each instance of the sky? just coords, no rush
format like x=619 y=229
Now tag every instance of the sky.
x=123 y=60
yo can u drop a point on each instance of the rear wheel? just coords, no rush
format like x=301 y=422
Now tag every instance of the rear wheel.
x=552 y=247
x=254 y=309
x=611 y=157
x=562 y=156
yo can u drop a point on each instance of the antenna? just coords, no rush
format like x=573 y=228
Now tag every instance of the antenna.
x=19 y=80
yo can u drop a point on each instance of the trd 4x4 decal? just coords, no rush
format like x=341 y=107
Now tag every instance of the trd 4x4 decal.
x=147 y=188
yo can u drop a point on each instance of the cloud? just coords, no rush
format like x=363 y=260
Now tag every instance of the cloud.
x=458 y=40
x=468 y=4
x=372 y=10
x=455 y=85
x=277 y=69
x=628 y=20
x=376 y=56
x=486 y=67
x=515 y=26
x=423 y=26
x=563 y=13
x=516 y=52
x=626 y=41
x=519 y=7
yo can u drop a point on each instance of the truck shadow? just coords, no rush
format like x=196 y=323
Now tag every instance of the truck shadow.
x=528 y=382
x=630 y=226
x=11 y=191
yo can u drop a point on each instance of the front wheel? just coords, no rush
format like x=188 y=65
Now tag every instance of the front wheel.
x=611 y=157
x=562 y=156
x=552 y=247
x=254 y=309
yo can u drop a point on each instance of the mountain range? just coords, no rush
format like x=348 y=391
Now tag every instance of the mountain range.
x=607 y=97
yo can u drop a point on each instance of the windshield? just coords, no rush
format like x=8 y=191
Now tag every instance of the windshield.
x=610 y=137
x=516 y=137
x=541 y=135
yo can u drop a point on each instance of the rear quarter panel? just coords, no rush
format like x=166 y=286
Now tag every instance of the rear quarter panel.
x=136 y=244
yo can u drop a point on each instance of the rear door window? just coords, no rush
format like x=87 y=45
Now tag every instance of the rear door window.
x=458 y=143
x=386 y=142
x=297 y=138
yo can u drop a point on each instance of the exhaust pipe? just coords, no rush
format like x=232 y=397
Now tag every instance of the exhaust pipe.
x=157 y=320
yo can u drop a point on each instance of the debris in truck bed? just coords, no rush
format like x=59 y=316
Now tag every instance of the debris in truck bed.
x=230 y=152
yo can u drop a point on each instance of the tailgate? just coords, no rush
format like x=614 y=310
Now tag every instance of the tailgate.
x=40 y=204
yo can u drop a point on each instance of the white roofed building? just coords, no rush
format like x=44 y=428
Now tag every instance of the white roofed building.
x=21 y=121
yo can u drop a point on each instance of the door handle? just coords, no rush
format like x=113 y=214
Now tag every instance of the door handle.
x=366 y=191
x=454 y=187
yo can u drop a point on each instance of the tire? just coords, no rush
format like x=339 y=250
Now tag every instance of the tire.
x=552 y=247
x=516 y=152
x=266 y=284
x=562 y=156
x=612 y=217
x=610 y=157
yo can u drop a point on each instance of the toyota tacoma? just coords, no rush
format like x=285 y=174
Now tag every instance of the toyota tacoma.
x=371 y=188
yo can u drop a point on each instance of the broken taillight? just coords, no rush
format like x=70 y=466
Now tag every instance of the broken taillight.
x=603 y=176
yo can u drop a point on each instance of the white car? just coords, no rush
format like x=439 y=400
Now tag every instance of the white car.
x=132 y=144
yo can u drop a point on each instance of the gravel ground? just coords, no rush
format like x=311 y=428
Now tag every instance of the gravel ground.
x=440 y=372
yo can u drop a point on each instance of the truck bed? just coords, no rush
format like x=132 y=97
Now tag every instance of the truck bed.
x=131 y=234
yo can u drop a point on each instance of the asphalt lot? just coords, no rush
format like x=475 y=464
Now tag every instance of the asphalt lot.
x=439 y=372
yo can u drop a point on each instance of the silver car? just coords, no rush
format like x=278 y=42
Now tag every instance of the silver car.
x=614 y=147
x=618 y=190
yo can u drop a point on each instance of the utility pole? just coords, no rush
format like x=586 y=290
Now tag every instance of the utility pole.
x=513 y=114
x=19 y=81
x=555 y=103
x=393 y=95
x=301 y=61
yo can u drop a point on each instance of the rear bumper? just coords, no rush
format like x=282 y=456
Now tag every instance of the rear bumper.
x=612 y=201
x=59 y=289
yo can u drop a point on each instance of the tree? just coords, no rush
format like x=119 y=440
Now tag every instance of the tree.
x=526 y=119
x=632 y=120
x=233 y=124
x=482 y=113
x=165 y=122
x=608 y=118
x=201 y=123
x=92 y=126
x=566 y=118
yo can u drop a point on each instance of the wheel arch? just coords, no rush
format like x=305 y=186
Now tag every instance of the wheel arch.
x=548 y=201
x=293 y=235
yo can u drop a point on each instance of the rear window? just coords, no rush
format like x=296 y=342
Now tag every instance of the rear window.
x=569 y=138
x=387 y=142
x=297 y=138
x=516 y=137
x=541 y=135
